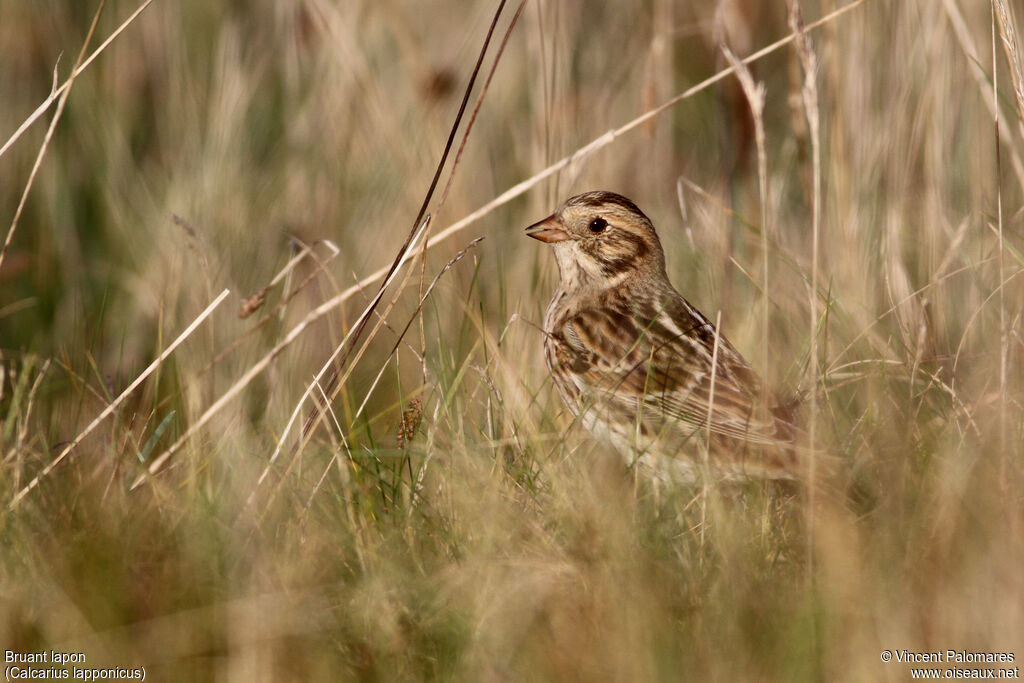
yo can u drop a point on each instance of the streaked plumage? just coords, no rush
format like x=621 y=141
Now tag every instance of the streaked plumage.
x=633 y=359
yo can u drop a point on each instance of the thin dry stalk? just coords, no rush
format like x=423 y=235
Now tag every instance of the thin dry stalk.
x=1011 y=50
x=706 y=486
x=422 y=221
x=382 y=319
x=963 y=36
x=349 y=367
x=714 y=373
x=405 y=432
x=57 y=92
x=124 y=394
x=458 y=158
x=755 y=94
x=278 y=310
x=19 y=445
x=254 y=302
x=336 y=460
x=419 y=309
x=936 y=281
x=1001 y=16
x=809 y=95
x=29 y=403
x=253 y=372
x=49 y=135
x=316 y=383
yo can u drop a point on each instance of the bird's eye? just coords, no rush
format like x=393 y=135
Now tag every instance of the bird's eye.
x=598 y=225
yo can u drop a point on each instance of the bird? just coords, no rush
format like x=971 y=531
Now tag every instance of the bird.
x=641 y=367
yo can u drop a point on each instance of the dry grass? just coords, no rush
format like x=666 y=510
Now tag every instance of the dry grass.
x=446 y=520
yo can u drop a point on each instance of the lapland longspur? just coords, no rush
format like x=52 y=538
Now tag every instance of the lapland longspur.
x=639 y=365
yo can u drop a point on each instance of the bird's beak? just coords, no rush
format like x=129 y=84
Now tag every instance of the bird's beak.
x=549 y=230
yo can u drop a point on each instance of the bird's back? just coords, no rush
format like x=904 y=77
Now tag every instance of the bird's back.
x=651 y=374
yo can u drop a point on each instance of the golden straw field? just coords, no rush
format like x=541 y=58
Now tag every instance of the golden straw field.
x=228 y=454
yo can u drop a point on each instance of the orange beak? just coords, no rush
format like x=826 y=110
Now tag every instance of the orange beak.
x=549 y=230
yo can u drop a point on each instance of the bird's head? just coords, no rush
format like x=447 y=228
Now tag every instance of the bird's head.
x=600 y=240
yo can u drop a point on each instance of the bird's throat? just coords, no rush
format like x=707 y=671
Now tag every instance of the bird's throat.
x=579 y=271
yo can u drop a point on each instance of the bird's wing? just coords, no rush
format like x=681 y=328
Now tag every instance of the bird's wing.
x=662 y=358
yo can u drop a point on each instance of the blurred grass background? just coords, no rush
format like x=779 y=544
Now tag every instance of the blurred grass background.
x=210 y=143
